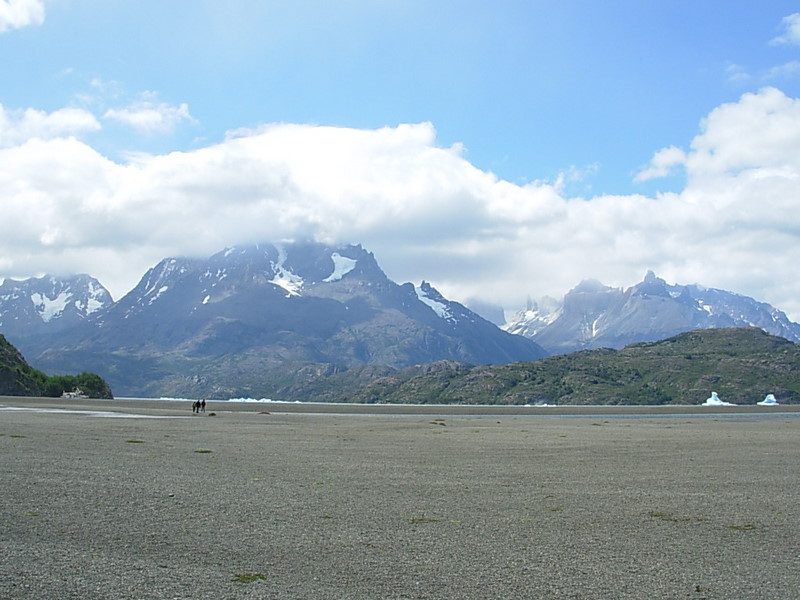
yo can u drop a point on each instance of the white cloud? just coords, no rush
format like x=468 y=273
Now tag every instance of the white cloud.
x=662 y=164
x=424 y=210
x=150 y=117
x=785 y=71
x=15 y=14
x=737 y=73
x=16 y=126
x=758 y=133
x=791 y=33
x=572 y=175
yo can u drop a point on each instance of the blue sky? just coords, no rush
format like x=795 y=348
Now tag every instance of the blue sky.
x=498 y=149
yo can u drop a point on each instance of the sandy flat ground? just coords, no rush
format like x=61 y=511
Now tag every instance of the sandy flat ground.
x=278 y=502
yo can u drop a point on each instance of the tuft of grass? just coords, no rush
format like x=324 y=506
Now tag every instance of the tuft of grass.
x=248 y=577
x=421 y=520
x=745 y=527
x=134 y=441
x=203 y=451
x=672 y=519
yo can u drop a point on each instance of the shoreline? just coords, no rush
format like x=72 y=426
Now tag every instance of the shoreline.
x=181 y=407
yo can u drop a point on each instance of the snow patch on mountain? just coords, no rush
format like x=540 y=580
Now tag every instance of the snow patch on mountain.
x=155 y=286
x=284 y=278
x=342 y=265
x=534 y=317
x=595 y=328
x=215 y=276
x=158 y=293
x=426 y=294
x=50 y=307
x=95 y=300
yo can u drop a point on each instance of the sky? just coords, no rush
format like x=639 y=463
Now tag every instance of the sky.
x=499 y=150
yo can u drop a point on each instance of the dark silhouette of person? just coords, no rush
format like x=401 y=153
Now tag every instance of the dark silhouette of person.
x=203 y=405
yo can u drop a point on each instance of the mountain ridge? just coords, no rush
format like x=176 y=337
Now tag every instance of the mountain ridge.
x=49 y=303
x=249 y=317
x=593 y=315
x=742 y=364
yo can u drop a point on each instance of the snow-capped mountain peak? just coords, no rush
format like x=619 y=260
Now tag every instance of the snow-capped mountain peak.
x=593 y=315
x=49 y=303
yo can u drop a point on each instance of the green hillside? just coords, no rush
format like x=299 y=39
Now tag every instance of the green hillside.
x=18 y=378
x=742 y=365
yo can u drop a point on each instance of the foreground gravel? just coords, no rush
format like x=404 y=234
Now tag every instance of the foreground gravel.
x=251 y=504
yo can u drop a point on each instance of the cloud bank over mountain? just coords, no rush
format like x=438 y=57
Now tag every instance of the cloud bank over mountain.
x=424 y=209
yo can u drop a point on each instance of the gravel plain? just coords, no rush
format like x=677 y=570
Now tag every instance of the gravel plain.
x=298 y=502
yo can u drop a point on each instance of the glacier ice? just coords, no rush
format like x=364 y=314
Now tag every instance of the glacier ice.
x=769 y=400
x=715 y=401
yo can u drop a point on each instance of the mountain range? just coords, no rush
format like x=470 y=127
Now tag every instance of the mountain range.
x=249 y=321
x=593 y=315
x=299 y=321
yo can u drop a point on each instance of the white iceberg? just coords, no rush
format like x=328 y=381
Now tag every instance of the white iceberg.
x=768 y=401
x=715 y=401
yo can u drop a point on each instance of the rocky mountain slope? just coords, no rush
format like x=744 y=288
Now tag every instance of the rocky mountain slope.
x=16 y=376
x=593 y=315
x=742 y=365
x=252 y=320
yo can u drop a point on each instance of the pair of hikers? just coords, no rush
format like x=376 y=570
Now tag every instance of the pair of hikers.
x=199 y=406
